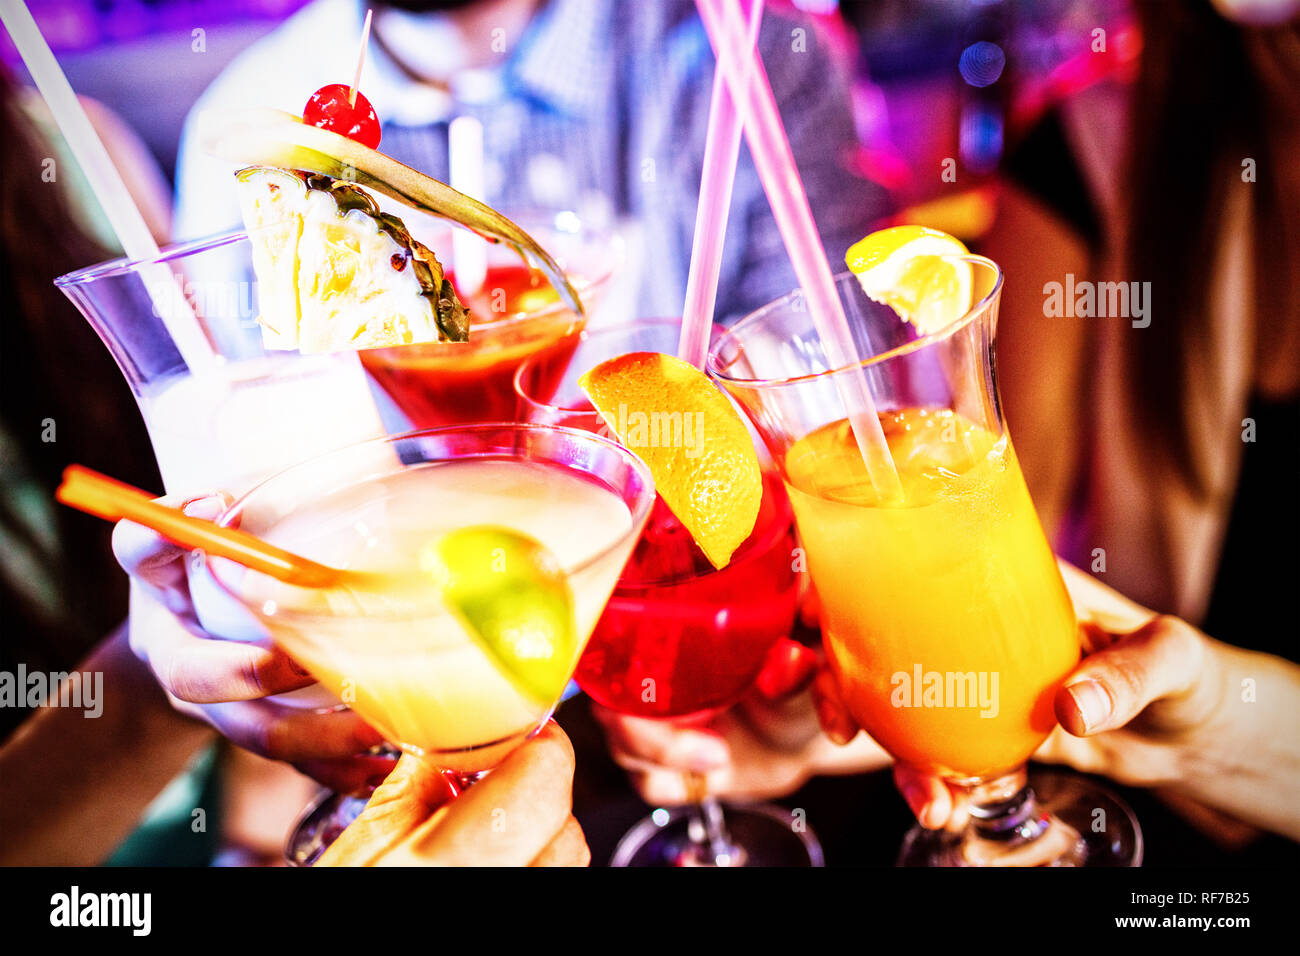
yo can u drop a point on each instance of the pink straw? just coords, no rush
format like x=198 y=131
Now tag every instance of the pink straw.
x=721 y=150
x=770 y=147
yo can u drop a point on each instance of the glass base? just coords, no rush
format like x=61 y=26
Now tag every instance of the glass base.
x=762 y=835
x=320 y=825
x=1082 y=824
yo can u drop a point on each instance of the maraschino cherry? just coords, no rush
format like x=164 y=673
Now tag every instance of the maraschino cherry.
x=331 y=108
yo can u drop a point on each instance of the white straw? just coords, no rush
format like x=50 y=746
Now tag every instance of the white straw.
x=465 y=168
x=106 y=183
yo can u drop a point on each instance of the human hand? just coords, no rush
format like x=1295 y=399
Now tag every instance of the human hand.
x=1151 y=704
x=518 y=815
x=227 y=683
x=766 y=746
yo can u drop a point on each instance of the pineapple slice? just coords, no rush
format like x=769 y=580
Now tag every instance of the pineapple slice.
x=335 y=273
x=266 y=137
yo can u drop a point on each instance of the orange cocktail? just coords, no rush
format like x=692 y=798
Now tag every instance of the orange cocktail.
x=944 y=614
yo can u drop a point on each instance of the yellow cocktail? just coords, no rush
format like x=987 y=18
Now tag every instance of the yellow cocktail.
x=943 y=614
x=405 y=660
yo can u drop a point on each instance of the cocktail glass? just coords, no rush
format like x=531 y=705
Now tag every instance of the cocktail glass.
x=252 y=413
x=680 y=640
x=409 y=666
x=944 y=615
x=516 y=315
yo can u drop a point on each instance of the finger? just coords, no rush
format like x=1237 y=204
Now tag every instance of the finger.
x=1163 y=658
x=836 y=721
x=507 y=818
x=810 y=607
x=292 y=734
x=412 y=792
x=144 y=554
x=1098 y=604
x=639 y=743
x=569 y=848
x=926 y=795
x=788 y=669
x=349 y=774
x=206 y=670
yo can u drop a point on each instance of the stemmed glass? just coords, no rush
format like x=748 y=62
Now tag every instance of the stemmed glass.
x=680 y=640
x=407 y=664
x=944 y=615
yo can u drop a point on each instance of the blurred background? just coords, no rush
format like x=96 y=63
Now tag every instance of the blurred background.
x=933 y=79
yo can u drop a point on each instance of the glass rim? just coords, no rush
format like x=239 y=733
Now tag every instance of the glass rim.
x=639 y=514
x=126 y=265
x=771 y=534
x=974 y=312
x=587 y=334
x=123 y=265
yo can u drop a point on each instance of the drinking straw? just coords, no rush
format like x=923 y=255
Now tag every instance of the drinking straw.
x=748 y=82
x=107 y=185
x=721 y=150
x=465 y=169
x=105 y=497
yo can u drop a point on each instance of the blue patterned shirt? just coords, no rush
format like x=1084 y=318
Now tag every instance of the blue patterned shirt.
x=599 y=106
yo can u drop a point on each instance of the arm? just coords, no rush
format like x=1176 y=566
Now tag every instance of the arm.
x=72 y=787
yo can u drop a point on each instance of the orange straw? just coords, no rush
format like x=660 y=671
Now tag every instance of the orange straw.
x=105 y=497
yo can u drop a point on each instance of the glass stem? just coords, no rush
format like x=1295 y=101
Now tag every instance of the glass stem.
x=1004 y=810
x=708 y=829
x=1009 y=827
x=463 y=781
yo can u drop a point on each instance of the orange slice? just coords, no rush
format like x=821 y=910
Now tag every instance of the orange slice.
x=692 y=440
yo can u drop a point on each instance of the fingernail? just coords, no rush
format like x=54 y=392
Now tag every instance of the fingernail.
x=915 y=797
x=707 y=754
x=299 y=669
x=207 y=507
x=1092 y=701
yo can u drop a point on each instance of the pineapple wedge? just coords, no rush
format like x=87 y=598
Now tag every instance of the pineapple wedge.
x=335 y=273
x=267 y=137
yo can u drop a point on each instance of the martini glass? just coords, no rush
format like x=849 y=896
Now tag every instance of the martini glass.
x=407 y=664
x=944 y=615
x=680 y=640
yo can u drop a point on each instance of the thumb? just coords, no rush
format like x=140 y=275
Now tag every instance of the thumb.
x=405 y=800
x=832 y=713
x=1161 y=659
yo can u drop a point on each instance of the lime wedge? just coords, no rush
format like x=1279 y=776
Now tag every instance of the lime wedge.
x=515 y=600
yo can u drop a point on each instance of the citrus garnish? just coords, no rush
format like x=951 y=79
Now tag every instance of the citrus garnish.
x=693 y=441
x=335 y=273
x=514 y=598
x=914 y=271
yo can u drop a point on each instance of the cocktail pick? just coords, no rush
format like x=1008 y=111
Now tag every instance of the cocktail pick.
x=361 y=60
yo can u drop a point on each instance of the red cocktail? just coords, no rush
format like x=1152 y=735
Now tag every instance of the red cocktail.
x=680 y=639
x=516 y=315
